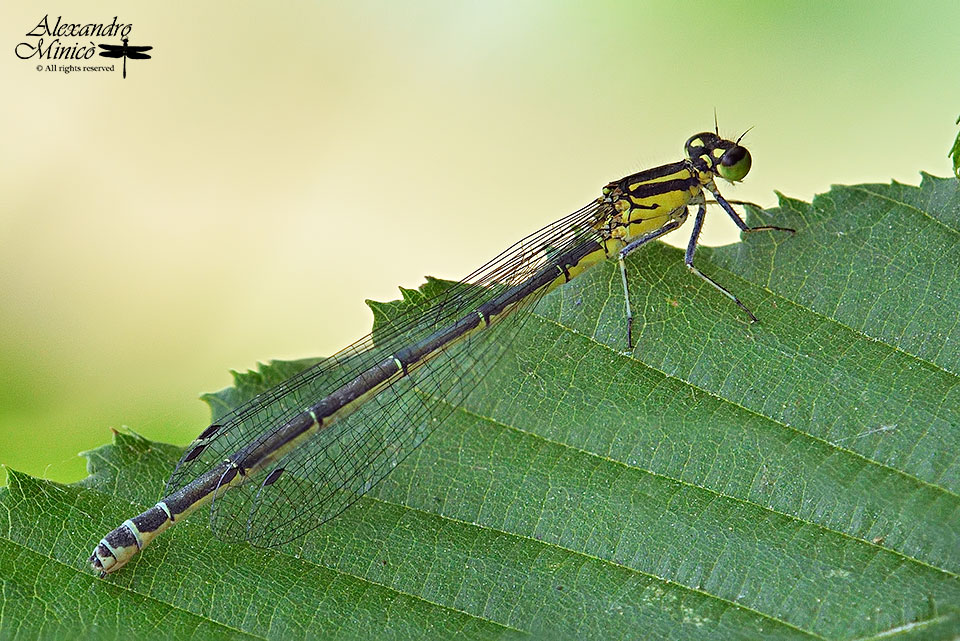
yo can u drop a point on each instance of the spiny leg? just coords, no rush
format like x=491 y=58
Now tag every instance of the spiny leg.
x=695 y=235
x=723 y=202
x=692 y=247
x=626 y=251
x=736 y=202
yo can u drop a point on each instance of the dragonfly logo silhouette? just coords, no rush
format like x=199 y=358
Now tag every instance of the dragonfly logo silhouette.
x=125 y=51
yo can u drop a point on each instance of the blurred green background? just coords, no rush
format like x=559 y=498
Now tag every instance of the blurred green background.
x=238 y=196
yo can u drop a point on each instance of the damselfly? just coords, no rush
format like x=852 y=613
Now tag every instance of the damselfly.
x=299 y=454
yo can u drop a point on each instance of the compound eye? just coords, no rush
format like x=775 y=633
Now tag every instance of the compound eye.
x=734 y=164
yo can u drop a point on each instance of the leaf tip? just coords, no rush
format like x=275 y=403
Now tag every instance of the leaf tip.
x=15 y=479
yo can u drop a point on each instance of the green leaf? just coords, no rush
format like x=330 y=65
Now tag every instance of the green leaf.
x=955 y=153
x=793 y=479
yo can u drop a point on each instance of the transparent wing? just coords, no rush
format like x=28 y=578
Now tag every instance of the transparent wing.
x=325 y=475
x=338 y=464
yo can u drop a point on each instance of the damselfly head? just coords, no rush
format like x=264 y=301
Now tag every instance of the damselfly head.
x=726 y=158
